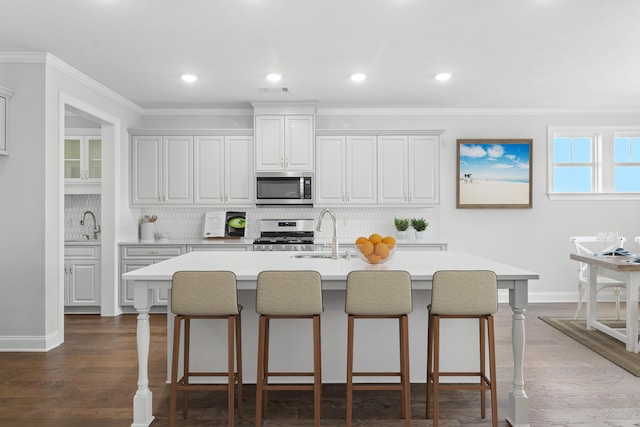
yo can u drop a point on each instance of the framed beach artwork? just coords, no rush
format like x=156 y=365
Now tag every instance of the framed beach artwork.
x=494 y=174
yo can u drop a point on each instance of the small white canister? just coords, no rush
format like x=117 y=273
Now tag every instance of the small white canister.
x=147 y=231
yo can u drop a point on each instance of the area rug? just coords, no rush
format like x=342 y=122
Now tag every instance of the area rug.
x=601 y=343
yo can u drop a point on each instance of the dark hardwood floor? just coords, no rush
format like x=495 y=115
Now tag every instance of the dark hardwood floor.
x=90 y=382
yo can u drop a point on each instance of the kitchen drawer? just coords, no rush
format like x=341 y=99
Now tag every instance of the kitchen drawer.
x=225 y=247
x=82 y=252
x=159 y=251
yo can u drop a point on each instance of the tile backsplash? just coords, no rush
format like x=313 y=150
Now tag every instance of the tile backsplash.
x=74 y=207
x=186 y=223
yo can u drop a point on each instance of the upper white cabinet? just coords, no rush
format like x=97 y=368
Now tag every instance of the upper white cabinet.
x=345 y=170
x=82 y=161
x=223 y=170
x=408 y=170
x=284 y=142
x=205 y=168
x=162 y=170
x=5 y=94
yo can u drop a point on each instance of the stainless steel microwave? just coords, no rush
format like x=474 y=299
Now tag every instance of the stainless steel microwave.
x=284 y=188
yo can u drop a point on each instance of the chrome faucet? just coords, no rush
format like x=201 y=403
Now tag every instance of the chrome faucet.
x=96 y=227
x=334 y=244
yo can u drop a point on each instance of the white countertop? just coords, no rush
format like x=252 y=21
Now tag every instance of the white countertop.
x=82 y=242
x=249 y=241
x=247 y=265
x=243 y=241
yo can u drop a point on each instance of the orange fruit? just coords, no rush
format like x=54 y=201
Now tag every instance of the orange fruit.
x=366 y=248
x=374 y=258
x=382 y=249
x=360 y=240
x=375 y=238
x=390 y=241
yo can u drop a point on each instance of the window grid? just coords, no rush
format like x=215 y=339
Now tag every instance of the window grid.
x=593 y=163
x=579 y=172
x=627 y=162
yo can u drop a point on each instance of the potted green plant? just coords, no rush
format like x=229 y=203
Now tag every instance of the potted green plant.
x=419 y=225
x=402 y=224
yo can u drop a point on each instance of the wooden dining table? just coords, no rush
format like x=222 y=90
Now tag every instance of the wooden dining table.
x=623 y=269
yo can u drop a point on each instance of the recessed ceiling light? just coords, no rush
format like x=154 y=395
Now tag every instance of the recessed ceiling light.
x=189 y=78
x=274 y=77
x=358 y=77
x=443 y=77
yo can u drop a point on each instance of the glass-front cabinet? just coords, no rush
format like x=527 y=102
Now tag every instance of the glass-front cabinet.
x=82 y=163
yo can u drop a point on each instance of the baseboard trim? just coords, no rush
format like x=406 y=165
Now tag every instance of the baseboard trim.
x=30 y=343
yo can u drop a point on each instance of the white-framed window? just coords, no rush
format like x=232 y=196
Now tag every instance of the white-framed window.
x=593 y=163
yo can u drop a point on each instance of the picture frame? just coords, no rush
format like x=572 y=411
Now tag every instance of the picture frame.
x=494 y=173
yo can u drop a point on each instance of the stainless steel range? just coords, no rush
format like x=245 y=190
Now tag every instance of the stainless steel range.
x=285 y=235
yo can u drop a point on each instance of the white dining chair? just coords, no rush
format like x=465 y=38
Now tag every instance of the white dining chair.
x=592 y=245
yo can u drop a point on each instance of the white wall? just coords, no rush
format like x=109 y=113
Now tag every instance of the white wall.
x=22 y=177
x=31 y=193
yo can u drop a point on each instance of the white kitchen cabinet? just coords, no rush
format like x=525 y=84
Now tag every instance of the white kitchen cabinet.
x=162 y=170
x=223 y=170
x=284 y=142
x=133 y=257
x=82 y=279
x=346 y=170
x=408 y=171
x=82 y=161
x=241 y=247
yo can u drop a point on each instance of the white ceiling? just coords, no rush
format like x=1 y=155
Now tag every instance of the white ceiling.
x=574 y=54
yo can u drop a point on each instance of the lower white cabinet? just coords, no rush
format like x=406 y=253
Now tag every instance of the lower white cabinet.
x=133 y=257
x=220 y=247
x=81 y=278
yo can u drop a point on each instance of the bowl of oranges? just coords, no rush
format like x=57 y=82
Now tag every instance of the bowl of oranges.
x=375 y=249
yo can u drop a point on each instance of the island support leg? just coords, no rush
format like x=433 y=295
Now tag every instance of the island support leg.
x=143 y=399
x=518 y=410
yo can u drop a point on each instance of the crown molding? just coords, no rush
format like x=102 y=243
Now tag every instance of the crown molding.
x=190 y=132
x=91 y=83
x=400 y=111
x=23 y=57
x=378 y=132
x=197 y=112
x=53 y=61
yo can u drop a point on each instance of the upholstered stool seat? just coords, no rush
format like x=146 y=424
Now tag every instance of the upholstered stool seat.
x=205 y=295
x=379 y=294
x=460 y=294
x=288 y=295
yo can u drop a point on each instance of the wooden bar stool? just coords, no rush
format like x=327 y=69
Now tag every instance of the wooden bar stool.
x=380 y=294
x=458 y=294
x=288 y=295
x=205 y=295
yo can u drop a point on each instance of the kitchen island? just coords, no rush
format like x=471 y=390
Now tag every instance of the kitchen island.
x=247 y=265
